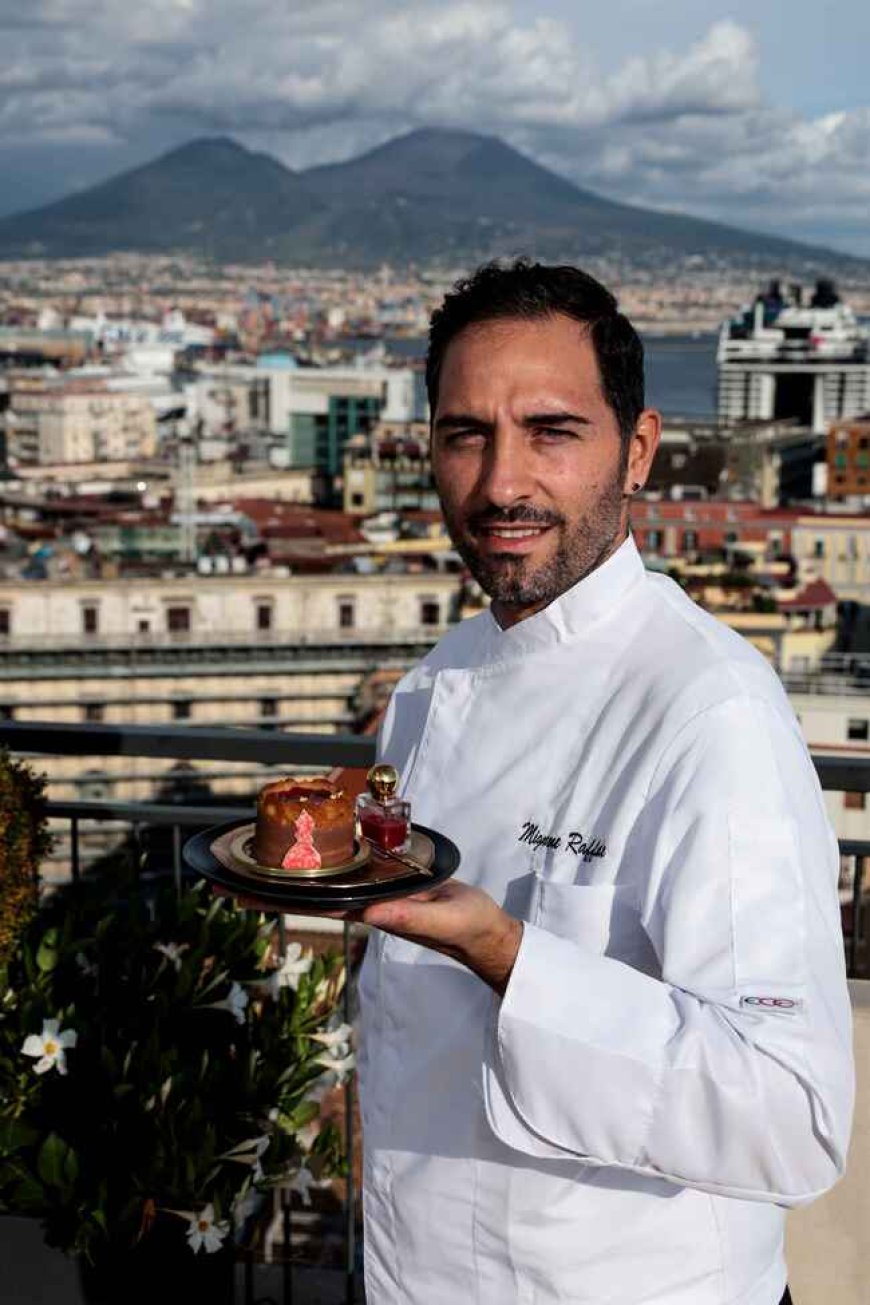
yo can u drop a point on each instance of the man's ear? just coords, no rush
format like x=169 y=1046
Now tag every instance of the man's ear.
x=641 y=450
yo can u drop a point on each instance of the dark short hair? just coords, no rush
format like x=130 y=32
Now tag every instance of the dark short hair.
x=531 y=290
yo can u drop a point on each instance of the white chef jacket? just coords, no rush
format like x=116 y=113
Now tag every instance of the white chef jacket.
x=670 y=1065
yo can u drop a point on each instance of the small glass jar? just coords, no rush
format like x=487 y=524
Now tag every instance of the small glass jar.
x=384 y=819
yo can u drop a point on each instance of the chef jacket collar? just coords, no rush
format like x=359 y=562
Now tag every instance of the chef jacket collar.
x=569 y=616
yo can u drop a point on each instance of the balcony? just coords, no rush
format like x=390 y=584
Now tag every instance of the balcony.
x=825 y=1240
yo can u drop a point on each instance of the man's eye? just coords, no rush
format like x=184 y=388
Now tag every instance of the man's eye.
x=553 y=433
x=465 y=439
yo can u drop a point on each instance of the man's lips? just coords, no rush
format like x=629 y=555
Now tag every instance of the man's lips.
x=512 y=537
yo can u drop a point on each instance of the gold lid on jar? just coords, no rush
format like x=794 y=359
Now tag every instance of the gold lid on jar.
x=383 y=780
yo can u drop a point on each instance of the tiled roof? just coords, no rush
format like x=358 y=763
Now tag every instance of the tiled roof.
x=816 y=594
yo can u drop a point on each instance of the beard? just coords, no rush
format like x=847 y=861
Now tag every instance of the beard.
x=515 y=581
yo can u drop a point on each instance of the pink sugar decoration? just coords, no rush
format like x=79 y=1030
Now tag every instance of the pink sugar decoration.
x=302 y=855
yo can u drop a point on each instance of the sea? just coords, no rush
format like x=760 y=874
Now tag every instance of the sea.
x=680 y=370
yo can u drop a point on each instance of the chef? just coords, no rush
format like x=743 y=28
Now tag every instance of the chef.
x=600 y=1063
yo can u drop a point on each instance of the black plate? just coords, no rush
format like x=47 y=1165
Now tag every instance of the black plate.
x=379 y=881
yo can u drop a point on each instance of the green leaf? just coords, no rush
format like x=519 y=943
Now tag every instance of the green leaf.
x=51 y=1159
x=16 y=1134
x=27 y=1197
x=46 y=956
x=70 y=1168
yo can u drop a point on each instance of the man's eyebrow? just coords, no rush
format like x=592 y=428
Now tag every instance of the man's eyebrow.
x=461 y=421
x=465 y=421
x=555 y=419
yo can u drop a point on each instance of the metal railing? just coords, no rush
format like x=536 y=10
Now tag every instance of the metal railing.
x=326 y=751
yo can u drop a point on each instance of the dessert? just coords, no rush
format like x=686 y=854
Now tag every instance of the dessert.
x=303 y=824
x=384 y=819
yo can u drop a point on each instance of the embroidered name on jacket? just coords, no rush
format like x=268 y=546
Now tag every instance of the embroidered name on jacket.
x=574 y=842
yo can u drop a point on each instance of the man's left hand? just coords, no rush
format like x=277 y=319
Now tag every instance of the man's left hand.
x=458 y=920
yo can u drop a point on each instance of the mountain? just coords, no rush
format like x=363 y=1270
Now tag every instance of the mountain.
x=210 y=195
x=432 y=195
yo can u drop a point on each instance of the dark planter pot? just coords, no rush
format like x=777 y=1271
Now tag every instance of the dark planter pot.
x=162 y=1270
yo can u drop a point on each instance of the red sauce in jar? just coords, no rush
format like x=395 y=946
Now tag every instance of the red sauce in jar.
x=383 y=830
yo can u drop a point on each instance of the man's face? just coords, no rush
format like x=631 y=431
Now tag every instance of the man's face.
x=528 y=460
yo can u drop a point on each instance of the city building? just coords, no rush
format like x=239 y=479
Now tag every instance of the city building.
x=77 y=420
x=836 y=549
x=848 y=460
x=687 y=528
x=388 y=470
x=272 y=650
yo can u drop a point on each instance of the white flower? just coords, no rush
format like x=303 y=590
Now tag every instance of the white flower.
x=204 y=1233
x=49 y=1046
x=338 y=1056
x=290 y=971
x=341 y=1068
x=235 y=1002
x=337 y=1040
x=173 y=952
x=250 y=1153
x=88 y=968
x=301 y=1183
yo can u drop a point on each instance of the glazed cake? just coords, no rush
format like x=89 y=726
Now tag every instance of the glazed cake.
x=303 y=824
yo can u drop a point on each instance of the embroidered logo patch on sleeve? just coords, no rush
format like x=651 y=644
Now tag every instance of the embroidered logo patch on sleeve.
x=786 y=1005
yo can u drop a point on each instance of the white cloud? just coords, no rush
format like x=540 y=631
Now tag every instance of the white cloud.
x=267 y=64
x=680 y=127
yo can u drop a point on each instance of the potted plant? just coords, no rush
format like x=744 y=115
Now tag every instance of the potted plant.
x=160 y=1064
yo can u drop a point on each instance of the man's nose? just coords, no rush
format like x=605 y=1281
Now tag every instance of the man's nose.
x=505 y=475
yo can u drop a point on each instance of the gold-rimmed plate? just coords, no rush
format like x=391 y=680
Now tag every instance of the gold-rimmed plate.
x=235 y=849
x=377 y=878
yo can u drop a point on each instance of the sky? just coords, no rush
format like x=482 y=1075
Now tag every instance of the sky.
x=753 y=113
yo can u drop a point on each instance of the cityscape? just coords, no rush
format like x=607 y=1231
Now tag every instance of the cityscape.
x=217 y=494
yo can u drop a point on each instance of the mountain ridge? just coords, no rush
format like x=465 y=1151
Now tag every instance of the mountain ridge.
x=430 y=195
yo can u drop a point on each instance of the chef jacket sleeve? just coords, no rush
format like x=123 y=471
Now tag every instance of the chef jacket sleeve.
x=728 y=1065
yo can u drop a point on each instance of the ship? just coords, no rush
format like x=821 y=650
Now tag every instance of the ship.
x=794 y=355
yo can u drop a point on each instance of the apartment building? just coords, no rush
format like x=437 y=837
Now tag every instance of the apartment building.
x=848 y=460
x=273 y=651
x=78 y=421
x=836 y=549
x=389 y=470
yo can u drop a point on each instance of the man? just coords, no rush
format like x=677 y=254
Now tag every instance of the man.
x=598 y=1063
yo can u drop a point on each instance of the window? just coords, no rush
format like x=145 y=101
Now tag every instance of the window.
x=265 y=613
x=357 y=499
x=181 y=709
x=90 y=619
x=144 y=626
x=7 y=711
x=268 y=708
x=854 y=801
x=94 y=712
x=690 y=541
x=430 y=611
x=346 y=613
x=5 y=622
x=858 y=729
x=178 y=620
x=819 y=548
x=654 y=540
